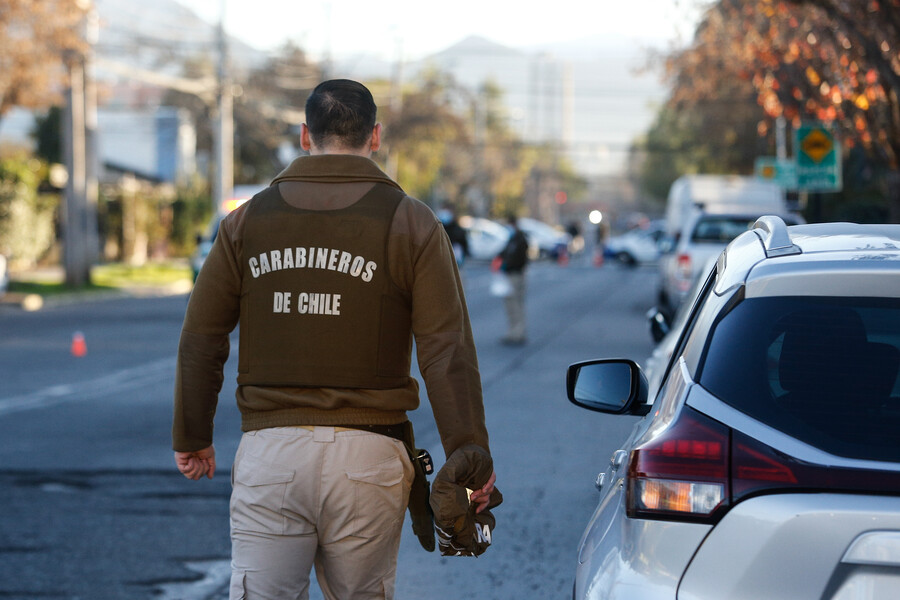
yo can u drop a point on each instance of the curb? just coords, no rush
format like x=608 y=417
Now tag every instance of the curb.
x=36 y=302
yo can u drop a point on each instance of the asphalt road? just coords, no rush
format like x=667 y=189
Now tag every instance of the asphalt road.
x=92 y=506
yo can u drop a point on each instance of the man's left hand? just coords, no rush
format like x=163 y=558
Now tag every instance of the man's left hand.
x=481 y=497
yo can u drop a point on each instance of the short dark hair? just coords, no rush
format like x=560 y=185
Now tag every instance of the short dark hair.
x=340 y=111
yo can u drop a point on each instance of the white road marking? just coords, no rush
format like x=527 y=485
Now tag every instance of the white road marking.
x=118 y=382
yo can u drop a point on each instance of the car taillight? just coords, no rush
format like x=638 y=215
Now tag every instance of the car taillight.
x=683 y=472
x=697 y=468
x=684 y=273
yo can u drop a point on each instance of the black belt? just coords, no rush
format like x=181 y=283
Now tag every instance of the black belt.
x=397 y=431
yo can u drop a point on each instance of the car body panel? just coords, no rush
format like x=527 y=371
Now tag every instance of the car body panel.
x=752 y=552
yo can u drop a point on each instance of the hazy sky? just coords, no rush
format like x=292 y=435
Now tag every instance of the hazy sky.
x=383 y=28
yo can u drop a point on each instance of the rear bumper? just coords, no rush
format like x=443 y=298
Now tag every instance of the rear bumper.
x=799 y=547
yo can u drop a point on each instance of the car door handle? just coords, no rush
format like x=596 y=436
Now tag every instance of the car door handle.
x=617 y=459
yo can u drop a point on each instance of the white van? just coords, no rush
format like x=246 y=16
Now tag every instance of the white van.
x=724 y=192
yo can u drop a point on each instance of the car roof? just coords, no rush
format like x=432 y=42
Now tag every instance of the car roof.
x=827 y=259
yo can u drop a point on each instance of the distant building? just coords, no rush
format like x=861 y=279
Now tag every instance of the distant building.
x=157 y=144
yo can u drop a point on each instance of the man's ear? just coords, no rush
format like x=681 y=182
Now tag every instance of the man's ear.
x=305 y=141
x=376 y=138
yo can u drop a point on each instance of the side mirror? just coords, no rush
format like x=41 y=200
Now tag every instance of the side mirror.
x=659 y=324
x=613 y=386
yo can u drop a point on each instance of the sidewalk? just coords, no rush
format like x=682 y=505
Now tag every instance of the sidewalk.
x=32 y=302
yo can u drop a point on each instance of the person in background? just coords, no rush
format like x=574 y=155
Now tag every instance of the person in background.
x=331 y=272
x=513 y=261
x=459 y=239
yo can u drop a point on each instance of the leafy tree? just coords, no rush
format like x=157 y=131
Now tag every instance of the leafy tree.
x=34 y=40
x=426 y=138
x=830 y=60
x=27 y=217
x=268 y=111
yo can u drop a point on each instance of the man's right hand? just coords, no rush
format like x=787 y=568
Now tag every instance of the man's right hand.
x=195 y=465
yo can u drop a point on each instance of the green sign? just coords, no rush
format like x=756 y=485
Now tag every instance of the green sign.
x=818 y=156
x=782 y=171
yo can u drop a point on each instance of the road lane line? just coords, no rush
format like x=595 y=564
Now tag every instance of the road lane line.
x=118 y=382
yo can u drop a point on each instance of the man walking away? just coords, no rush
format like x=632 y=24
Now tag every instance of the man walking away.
x=331 y=272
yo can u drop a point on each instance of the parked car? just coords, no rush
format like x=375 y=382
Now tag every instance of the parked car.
x=767 y=465
x=486 y=238
x=703 y=236
x=640 y=245
x=666 y=331
x=4 y=275
x=544 y=241
x=240 y=194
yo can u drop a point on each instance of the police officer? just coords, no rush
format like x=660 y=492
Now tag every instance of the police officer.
x=330 y=273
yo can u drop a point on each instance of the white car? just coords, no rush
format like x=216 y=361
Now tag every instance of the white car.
x=704 y=235
x=486 y=238
x=640 y=245
x=545 y=241
x=767 y=464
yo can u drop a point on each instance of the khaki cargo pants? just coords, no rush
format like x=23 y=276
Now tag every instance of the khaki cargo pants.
x=324 y=496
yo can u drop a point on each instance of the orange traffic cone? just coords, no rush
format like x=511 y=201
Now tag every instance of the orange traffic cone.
x=79 y=347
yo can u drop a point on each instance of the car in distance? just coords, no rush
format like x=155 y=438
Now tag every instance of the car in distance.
x=545 y=241
x=767 y=465
x=486 y=237
x=240 y=194
x=704 y=235
x=4 y=275
x=640 y=245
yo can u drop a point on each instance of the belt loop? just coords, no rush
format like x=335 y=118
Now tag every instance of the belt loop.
x=323 y=434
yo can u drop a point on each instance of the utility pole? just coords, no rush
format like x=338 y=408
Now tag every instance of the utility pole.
x=223 y=138
x=75 y=258
x=80 y=238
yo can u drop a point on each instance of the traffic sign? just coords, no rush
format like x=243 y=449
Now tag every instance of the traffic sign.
x=818 y=156
x=782 y=171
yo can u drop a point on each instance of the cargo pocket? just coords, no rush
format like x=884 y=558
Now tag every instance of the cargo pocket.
x=257 y=500
x=379 y=499
x=236 y=589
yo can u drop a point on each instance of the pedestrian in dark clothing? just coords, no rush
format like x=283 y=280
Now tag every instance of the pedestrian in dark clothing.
x=459 y=238
x=513 y=262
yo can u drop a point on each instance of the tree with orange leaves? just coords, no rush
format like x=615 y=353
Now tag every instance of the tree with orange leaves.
x=827 y=60
x=35 y=36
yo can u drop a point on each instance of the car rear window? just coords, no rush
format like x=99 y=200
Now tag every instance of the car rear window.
x=720 y=229
x=823 y=370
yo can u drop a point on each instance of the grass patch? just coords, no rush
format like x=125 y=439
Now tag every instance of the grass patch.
x=103 y=278
x=152 y=274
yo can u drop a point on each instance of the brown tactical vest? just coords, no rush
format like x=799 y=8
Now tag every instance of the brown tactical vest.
x=318 y=306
